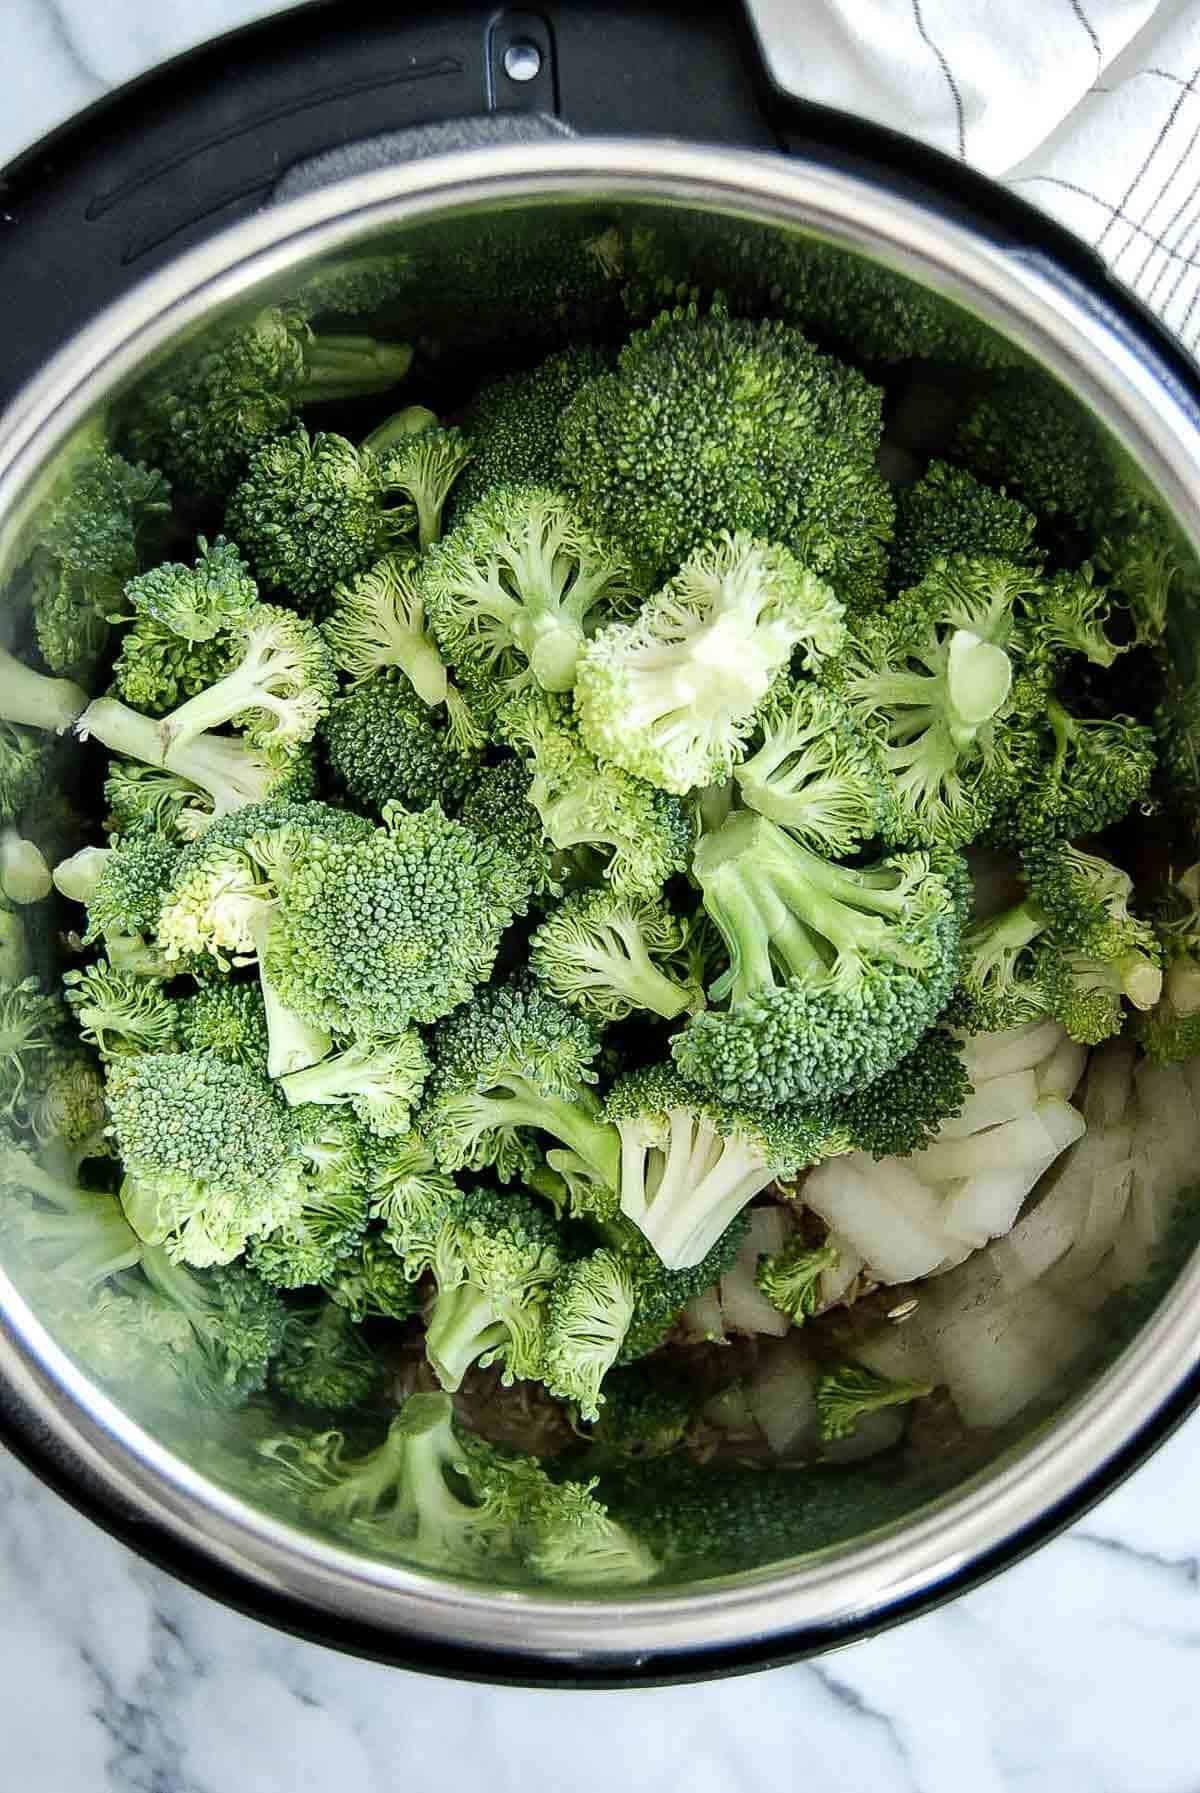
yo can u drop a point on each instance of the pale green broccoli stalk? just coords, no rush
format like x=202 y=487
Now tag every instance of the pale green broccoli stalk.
x=383 y=745
x=588 y=1315
x=209 y=1151
x=646 y=833
x=147 y=797
x=712 y=423
x=277 y=692
x=119 y=1012
x=690 y=1164
x=515 y=1062
x=492 y=1259
x=33 y=700
x=89 y=542
x=516 y=588
x=57 y=1229
x=199 y=602
x=948 y=511
x=229 y=1020
x=24 y=875
x=671 y=697
x=833 y=973
x=817 y=773
x=30 y=1021
x=380 y=1076
x=211 y=405
x=608 y=955
x=844 y=1395
x=420 y=461
x=16 y=958
x=326 y=1224
x=931 y=679
x=232 y=771
x=324 y=1360
x=372 y=935
x=25 y=757
x=376 y=623
x=791 y=1279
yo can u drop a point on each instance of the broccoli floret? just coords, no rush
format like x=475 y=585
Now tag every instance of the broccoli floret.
x=902 y=1110
x=233 y=772
x=497 y=807
x=146 y=797
x=516 y=588
x=32 y=700
x=376 y=623
x=29 y=1024
x=931 y=679
x=379 y=1076
x=585 y=802
x=1084 y=988
x=373 y=1283
x=816 y=773
x=948 y=511
x=25 y=765
x=229 y=1020
x=1070 y=615
x=515 y=1061
x=236 y=1321
x=588 y=1314
x=123 y=887
x=717 y=423
x=155 y=671
x=420 y=462
x=690 y=1164
x=493 y=1259
x=326 y=1223
x=845 y=1394
x=89 y=542
x=660 y=1294
x=833 y=973
x=208 y=408
x=563 y=1533
x=120 y=1012
x=68 y=1113
x=791 y=1279
x=372 y=935
x=209 y=1149
x=407 y=1192
x=1032 y=436
x=671 y=696
x=1081 y=775
x=324 y=1361
x=383 y=746
x=1001 y=982
x=513 y=425
x=608 y=955
x=199 y=602
x=645 y=1413
x=278 y=691
x=1141 y=566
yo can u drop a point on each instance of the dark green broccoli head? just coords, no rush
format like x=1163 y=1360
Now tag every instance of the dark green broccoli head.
x=400 y=927
x=1032 y=437
x=189 y=1114
x=309 y=512
x=512 y=425
x=497 y=807
x=324 y=1361
x=129 y=893
x=949 y=511
x=26 y=757
x=384 y=745
x=1076 y=776
x=902 y=1110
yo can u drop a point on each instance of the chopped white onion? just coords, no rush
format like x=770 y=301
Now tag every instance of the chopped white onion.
x=1059 y=1074
x=885 y=1213
x=999 y=1099
x=1016 y=1049
x=782 y=1395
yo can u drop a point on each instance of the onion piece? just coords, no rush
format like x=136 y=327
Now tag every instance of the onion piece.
x=990 y=1104
x=988 y=1055
x=782 y=1396
x=744 y=1307
x=885 y=1213
x=1047 y=1129
x=1059 y=1074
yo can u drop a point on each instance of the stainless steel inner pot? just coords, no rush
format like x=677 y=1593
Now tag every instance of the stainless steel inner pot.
x=146 y=1486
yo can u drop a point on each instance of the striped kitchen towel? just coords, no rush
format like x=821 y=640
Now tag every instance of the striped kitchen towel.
x=1088 y=108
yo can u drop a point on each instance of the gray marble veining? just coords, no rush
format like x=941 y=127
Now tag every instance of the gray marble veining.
x=1075 y=1670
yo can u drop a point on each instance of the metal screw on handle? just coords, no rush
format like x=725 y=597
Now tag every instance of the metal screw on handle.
x=522 y=61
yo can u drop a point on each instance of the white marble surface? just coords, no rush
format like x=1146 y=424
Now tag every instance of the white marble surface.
x=1074 y=1671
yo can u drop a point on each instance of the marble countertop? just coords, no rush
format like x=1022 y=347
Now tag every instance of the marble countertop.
x=1075 y=1670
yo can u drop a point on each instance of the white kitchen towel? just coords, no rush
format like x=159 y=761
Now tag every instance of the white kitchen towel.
x=1088 y=108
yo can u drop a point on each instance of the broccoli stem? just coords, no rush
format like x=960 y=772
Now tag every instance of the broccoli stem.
x=248 y=687
x=574 y=1121
x=550 y=642
x=33 y=699
x=349 y=366
x=292 y=1043
x=225 y=769
x=76 y=878
x=462 y=1326
x=418 y=659
x=704 y=1184
x=24 y=874
x=399 y=427
x=978 y=679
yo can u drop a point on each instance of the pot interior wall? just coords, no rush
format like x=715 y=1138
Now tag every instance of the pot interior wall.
x=494 y=291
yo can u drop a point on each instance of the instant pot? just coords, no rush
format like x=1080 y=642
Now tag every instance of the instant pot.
x=473 y=139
